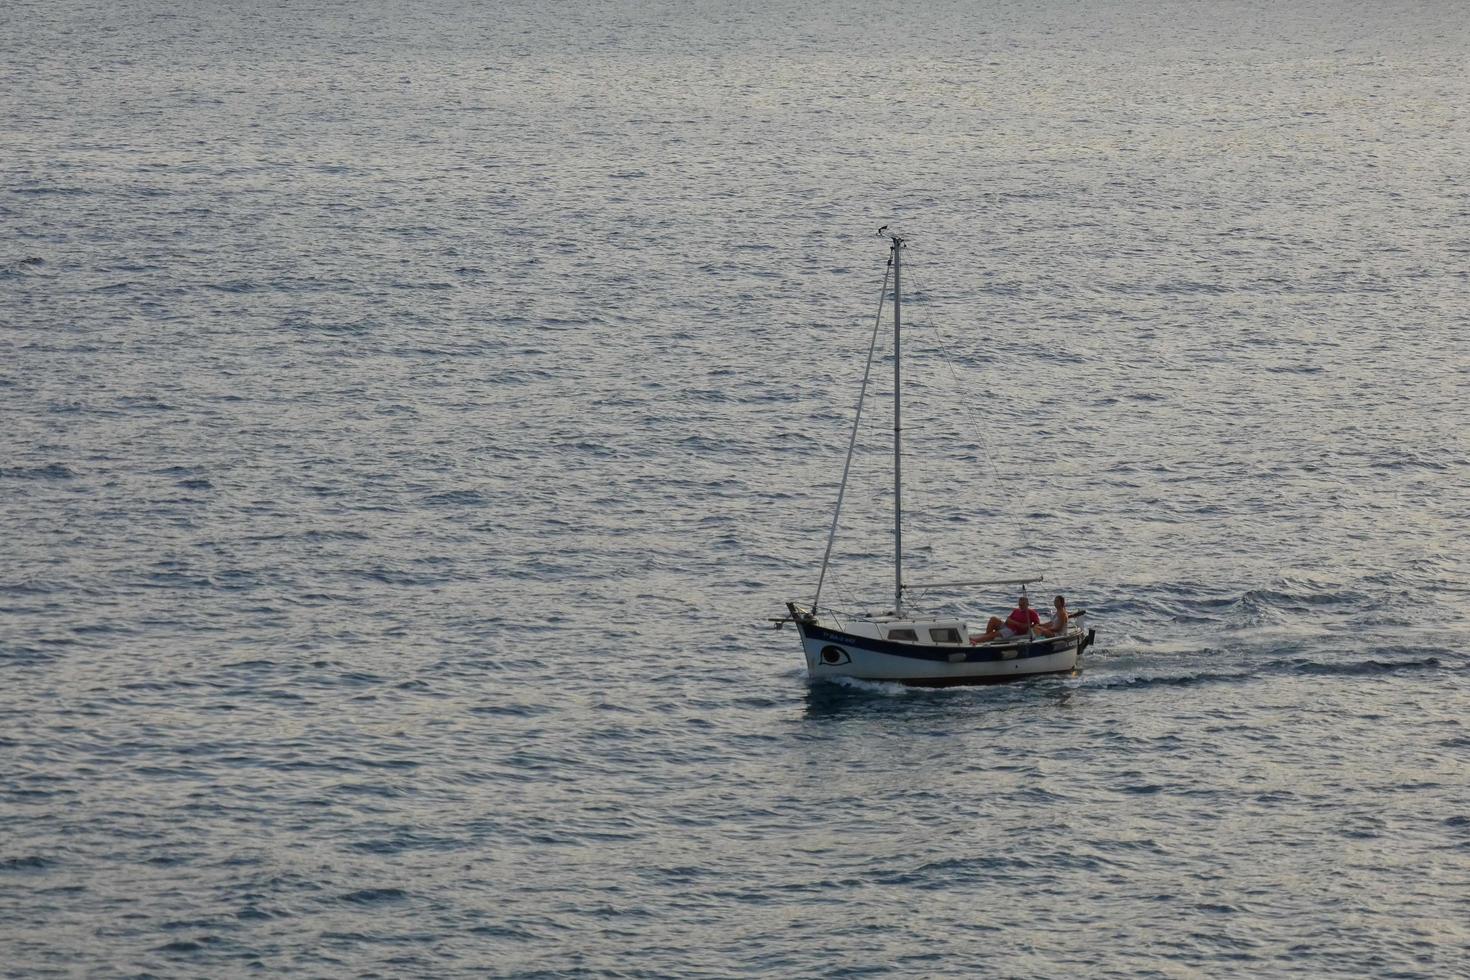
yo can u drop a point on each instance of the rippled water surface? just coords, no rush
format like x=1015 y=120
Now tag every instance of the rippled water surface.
x=412 y=412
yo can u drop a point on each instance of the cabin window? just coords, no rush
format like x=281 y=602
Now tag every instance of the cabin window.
x=946 y=634
x=907 y=635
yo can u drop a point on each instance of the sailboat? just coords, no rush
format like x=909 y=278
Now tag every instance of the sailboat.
x=905 y=645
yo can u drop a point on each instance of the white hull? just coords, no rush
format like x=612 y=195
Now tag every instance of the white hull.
x=830 y=654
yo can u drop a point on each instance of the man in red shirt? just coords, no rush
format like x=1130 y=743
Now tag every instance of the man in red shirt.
x=1022 y=618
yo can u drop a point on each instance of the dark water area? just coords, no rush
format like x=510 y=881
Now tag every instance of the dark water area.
x=412 y=412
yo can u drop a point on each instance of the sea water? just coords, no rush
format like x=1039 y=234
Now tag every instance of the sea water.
x=413 y=413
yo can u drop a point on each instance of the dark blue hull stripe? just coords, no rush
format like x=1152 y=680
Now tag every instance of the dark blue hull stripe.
x=1019 y=650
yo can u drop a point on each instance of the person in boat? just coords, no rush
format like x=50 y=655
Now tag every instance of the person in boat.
x=994 y=630
x=1058 y=624
x=1023 y=619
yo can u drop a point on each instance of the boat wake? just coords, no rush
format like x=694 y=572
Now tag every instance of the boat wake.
x=1105 y=676
x=1131 y=675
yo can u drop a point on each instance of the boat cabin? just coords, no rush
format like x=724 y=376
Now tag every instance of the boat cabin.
x=929 y=632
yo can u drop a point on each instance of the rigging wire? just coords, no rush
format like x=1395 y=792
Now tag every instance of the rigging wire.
x=852 y=440
x=978 y=432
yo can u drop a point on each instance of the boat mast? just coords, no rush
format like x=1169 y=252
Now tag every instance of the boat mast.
x=897 y=433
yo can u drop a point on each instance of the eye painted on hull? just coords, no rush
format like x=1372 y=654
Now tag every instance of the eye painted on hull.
x=832 y=656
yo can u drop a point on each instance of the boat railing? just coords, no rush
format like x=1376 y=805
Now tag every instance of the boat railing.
x=810 y=614
x=955 y=585
x=834 y=615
